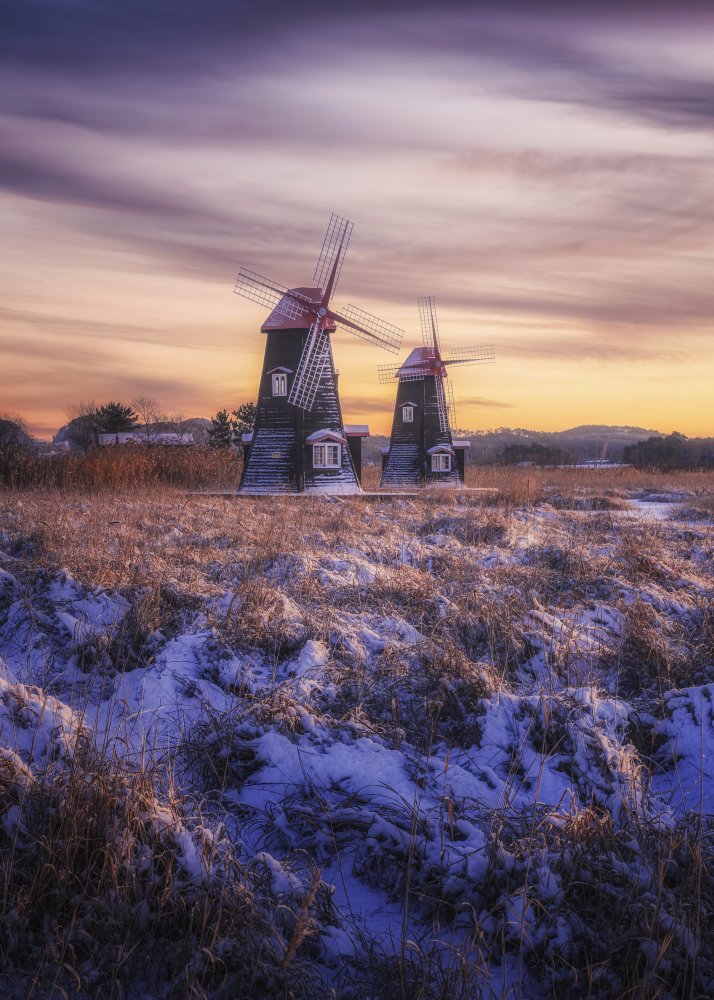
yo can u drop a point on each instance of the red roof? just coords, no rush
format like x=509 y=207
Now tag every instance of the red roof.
x=280 y=320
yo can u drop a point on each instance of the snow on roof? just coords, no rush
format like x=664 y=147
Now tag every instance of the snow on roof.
x=461 y=443
x=325 y=435
x=408 y=403
x=286 y=371
x=357 y=430
x=446 y=448
x=424 y=360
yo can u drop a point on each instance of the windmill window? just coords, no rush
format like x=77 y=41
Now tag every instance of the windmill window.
x=408 y=414
x=280 y=384
x=441 y=463
x=326 y=456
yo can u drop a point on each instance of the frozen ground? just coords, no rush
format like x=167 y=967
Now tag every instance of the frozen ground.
x=470 y=746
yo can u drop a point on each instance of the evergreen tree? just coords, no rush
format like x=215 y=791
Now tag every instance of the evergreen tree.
x=244 y=418
x=115 y=417
x=220 y=433
x=243 y=422
x=672 y=452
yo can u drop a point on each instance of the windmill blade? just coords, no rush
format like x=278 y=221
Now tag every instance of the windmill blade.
x=442 y=405
x=332 y=255
x=450 y=404
x=314 y=362
x=369 y=327
x=429 y=325
x=387 y=373
x=405 y=373
x=415 y=374
x=269 y=293
x=470 y=356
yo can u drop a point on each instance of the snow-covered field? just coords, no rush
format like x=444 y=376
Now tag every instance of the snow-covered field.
x=450 y=746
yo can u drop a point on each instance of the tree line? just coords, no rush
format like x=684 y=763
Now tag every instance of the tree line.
x=675 y=451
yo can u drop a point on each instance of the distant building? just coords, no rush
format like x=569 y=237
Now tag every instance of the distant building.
x=47 y=449
x=170 y=438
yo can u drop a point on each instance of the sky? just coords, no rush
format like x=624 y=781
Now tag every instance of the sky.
x=544 y=170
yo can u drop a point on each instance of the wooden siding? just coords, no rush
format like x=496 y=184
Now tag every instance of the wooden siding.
x=407 y=463
x=279 y=460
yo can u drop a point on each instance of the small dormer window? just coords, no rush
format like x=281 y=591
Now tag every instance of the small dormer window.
x=408 y=414
x=280 y=384
x=326 y=456
x=441 y=463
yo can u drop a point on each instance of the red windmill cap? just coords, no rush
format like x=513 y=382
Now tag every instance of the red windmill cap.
x=283 y=316
x=422 y=358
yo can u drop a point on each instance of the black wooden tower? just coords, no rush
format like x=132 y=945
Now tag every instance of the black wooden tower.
x=422 y=450
x=300 y=443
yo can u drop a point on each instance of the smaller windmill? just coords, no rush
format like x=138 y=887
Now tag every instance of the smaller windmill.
x=421 y=449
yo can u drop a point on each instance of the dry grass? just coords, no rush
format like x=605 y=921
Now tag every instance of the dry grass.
x=97 y=899
x=121 y=468
x=463 y=572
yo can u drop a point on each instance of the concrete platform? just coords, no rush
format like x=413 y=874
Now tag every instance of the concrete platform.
x=427 y=491
x=234 y=495
x=459 y=489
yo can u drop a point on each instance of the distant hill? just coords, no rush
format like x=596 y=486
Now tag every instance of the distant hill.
x=584 y=442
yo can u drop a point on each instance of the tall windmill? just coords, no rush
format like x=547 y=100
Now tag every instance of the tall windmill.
x=300 y=443
x=421 y=447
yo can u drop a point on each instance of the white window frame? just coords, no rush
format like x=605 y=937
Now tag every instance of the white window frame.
x=408 y=414
x=280 y=384
x=441 y=462
x=327 y=455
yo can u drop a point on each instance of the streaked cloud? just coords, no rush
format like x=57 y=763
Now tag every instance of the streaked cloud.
x=491 y=404
x=546 y=174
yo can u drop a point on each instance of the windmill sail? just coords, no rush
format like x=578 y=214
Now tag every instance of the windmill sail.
x=266 y=292
x=450 y=404
x=429 y=324
x=369 y=327
x=334 y=248
x=387 y=373
x=471 y=356
x=441 y=405
x=314 y=363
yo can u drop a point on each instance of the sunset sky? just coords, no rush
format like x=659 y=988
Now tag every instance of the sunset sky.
x=544 y=170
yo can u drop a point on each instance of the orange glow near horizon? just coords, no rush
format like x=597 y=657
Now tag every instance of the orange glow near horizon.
x=551 y=193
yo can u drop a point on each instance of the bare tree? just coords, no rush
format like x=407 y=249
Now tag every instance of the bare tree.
x=174 y=422
x=149 y=414
x=82 y=425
